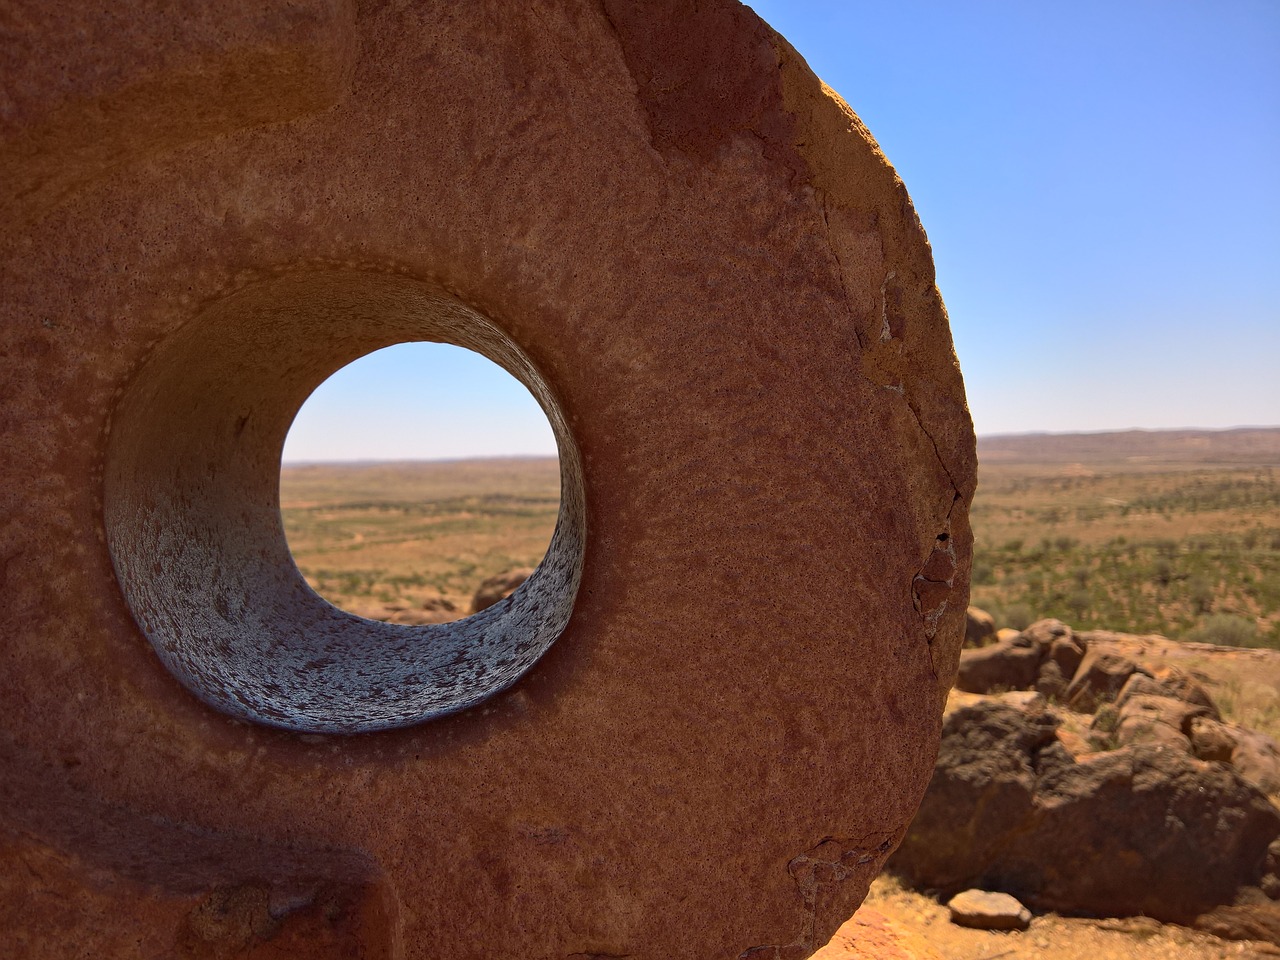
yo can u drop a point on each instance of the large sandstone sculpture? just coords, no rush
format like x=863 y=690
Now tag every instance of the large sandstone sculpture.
x=699 y=729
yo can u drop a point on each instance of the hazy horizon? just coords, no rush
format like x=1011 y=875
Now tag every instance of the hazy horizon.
x=389 y=461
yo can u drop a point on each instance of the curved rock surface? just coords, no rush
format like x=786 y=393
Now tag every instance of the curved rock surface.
x=695 y=255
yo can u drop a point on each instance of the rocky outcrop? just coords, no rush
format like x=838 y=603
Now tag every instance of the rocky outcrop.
x=1045 y=656
x=1131 y=704
x=1255 y=755
x=1136 y=830
x=1099 y=679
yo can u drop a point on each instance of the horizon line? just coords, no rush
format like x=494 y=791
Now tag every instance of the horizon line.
x=391 y=461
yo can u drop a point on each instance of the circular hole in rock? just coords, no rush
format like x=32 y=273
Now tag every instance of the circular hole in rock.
x=191 y=510
x=420 y=484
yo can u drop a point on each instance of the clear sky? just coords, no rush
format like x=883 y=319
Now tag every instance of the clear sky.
x=1101 y=185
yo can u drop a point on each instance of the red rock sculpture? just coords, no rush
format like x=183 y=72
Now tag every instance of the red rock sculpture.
x=704 y=723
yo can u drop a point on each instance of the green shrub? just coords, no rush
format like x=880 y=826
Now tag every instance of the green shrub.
x=1018 y=616
x=1225 y=629
x=1201 y=592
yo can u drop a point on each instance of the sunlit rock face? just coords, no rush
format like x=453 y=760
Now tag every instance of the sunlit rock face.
x=702 y=725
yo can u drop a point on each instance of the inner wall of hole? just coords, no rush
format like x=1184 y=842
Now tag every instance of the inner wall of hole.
x=191 y=508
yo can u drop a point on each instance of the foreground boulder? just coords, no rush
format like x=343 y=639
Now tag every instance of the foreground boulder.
x=698 y=261
x=1139 y=830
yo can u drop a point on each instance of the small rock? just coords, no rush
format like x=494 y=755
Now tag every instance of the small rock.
x=499 y=588
x=988 y=911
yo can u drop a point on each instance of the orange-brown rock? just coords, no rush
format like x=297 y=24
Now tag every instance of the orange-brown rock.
x=695 y=256
x=870 y=935
x=980 y=628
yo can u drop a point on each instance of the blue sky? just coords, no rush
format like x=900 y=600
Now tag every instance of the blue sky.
x=1101 y=186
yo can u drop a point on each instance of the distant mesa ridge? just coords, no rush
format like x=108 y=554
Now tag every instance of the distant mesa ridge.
x=1242 y=445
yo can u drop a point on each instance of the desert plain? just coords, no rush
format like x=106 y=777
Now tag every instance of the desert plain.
x=1173 y=536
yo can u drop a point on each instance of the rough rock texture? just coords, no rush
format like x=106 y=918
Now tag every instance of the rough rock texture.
x=1132 y=705
x=870 y=935
x=698 y=260
x=1170 y=683
x=1258 y=920
x=1139 y=830
x=984 y=910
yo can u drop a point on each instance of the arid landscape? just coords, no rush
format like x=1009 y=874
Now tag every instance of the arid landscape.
x=411 y=542
x=1162 y=532
x=1171 y=540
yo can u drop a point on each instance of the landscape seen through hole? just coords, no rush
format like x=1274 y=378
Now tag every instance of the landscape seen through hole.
x=412 y=541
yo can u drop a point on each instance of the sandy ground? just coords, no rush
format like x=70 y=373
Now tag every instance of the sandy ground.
x=1054 y=938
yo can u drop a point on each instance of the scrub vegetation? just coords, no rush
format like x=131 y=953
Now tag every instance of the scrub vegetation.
x=394 y=540
x=1187 y=550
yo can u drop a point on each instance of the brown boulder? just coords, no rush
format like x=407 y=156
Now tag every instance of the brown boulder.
x=1144 y=718
x=699 y=262
x=1169 y=682
x=1257 y=759
x=499 y=587
x=979 y=628
x=1139 y=830
x=1099 y=679
x=1044 y=633
x=1212 y=740
x=1050 y=683
x=1254 y=755
x=1067 y=653
x=1007 y=665
x=1258 y=921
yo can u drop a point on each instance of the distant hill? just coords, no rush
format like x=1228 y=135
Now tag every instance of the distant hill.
x=1258 y=446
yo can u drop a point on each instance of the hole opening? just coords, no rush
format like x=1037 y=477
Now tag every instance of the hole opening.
x=420 y=484
x=191 y=511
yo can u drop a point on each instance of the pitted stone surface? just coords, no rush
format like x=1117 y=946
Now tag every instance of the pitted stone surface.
x=700 y=260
